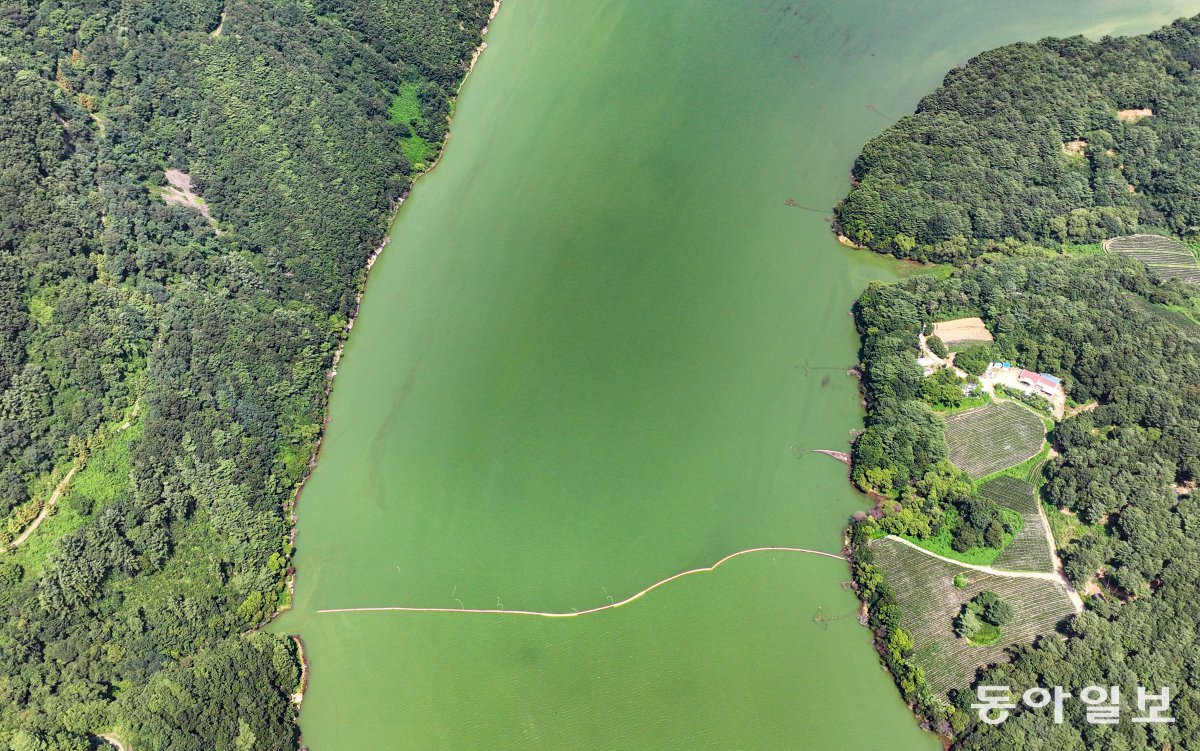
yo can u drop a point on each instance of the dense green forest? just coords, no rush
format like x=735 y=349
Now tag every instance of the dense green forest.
x=980 y=168
x=180 y=365
x=1096 y=320
x=1025 y=142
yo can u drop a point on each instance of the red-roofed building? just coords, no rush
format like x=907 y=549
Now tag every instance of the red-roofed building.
x=1047 y=384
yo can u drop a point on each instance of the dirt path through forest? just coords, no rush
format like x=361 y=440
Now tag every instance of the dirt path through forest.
x=47 y=508
x=112 y=739
x=63 y=484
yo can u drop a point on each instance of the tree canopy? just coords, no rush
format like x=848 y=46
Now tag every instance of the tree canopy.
x=210 y=341
x=1062 y=141
x=991 y=172
x=1127 y=468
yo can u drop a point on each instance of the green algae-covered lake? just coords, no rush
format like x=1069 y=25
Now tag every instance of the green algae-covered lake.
x=593 y=356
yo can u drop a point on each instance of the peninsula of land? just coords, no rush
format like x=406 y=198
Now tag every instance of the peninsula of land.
x=1032 y=406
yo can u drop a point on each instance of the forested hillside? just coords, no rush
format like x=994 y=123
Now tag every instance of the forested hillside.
x=173 y=348
x=988 y=164
x=1063 y=141
x=1127 y=471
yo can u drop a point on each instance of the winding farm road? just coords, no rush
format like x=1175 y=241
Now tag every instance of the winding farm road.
x=1057 y=578
x=1058 y=567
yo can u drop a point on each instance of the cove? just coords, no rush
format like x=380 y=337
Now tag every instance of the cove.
x=593 y=356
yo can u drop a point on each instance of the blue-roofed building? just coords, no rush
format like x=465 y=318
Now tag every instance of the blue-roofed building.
x=1047 y=384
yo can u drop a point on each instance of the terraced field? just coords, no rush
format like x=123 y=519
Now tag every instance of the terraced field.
x=924 y=587
x=993 y=437
x=1164 y=256
x=1173 y=317
x=1029 y=550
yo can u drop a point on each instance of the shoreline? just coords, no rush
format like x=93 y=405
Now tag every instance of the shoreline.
x=298 y=696
x=291 y=506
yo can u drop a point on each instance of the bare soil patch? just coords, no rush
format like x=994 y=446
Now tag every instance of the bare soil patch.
x=1132 y=116
x=179 y=193
x=962 y=330
x=1074 y=148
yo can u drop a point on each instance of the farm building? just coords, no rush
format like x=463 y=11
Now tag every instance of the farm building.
x=1047 y=384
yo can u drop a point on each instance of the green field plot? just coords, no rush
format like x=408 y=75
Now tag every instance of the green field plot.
x=1029 y=549
x=924 y=587
x=988 y=439
x=1164 y=256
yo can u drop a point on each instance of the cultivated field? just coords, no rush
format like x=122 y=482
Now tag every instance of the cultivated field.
x=1029 y=550
x=962 y=331
x=1164 y=256
x=924 y=587
x=994 y=437
x=1173 y=317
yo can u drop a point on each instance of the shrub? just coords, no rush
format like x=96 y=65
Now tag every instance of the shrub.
x=966 y=537
x=981 y=618
x=937 y=346
x=976 y=358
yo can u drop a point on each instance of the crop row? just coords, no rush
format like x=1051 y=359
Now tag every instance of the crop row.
x=1189 y=275
x=924 y=588
x=1145 y=242
x=994 y=437
x=1029 y=549
x=1163 y=256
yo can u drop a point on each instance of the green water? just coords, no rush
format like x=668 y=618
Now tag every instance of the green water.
x=592 y=357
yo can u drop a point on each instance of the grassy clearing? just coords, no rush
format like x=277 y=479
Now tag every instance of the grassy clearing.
x=1082 y=249
x=943 y=542
x=192 y=571
x=940 y=271
x=104 y=479
x=924 y=587
x=1029 y=550
x=416 y=150
x=1068 y=527
x=987 y=440
x=405 y=108
x=41 y=488
x=970 y=402
x=1180 y=316
x=106 y=476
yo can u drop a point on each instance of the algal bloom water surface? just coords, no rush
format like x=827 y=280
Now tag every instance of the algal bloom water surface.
x=606 y=330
